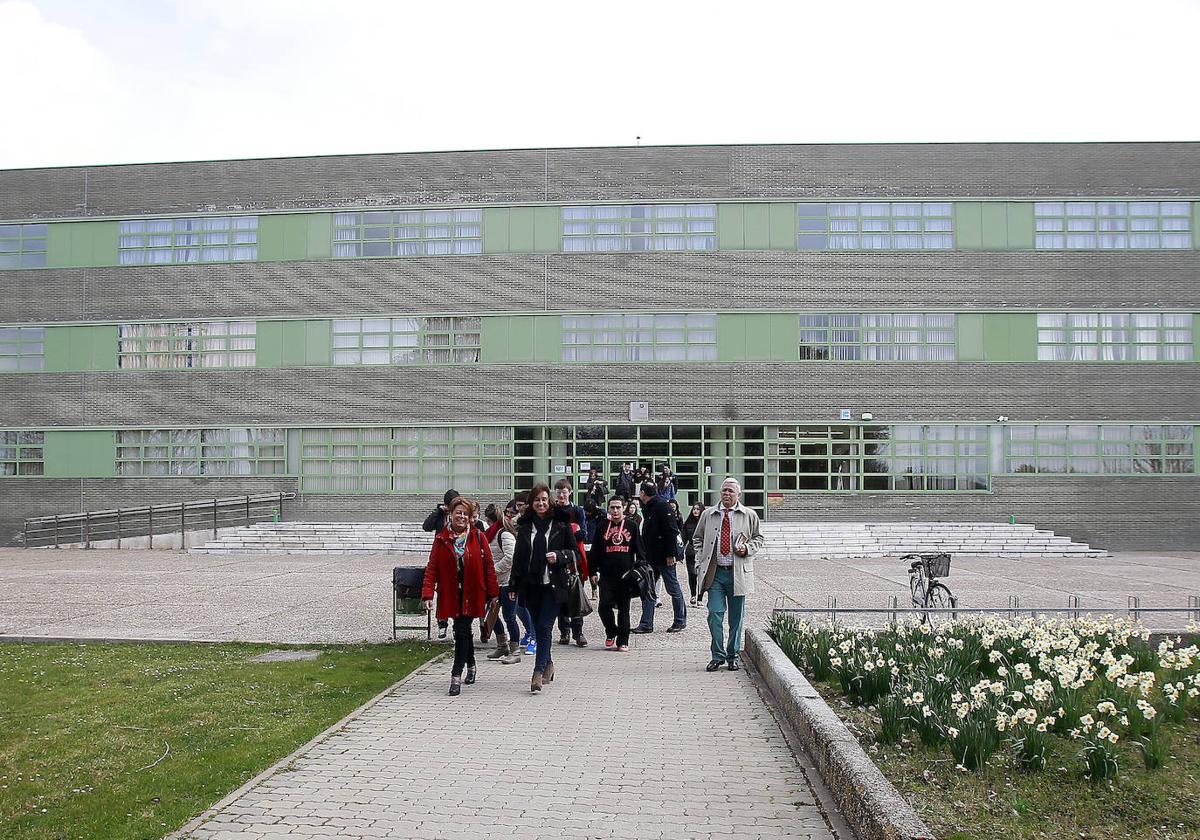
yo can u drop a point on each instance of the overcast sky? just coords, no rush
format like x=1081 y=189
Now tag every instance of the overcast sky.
x=152 y=80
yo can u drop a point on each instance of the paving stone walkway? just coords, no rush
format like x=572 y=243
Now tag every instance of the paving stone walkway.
x=639 y=745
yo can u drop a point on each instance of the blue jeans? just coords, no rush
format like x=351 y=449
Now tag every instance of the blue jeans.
x=720 y=600
x=543 y=609
x=510 y=611
x=678 y=604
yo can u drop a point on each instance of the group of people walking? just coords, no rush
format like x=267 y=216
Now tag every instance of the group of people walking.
x=523 y=573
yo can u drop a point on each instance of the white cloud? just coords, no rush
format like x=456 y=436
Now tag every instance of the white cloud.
x=219 y=78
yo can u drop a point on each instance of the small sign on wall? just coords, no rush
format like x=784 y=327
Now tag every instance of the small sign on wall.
x=559 y=468
x=639 y=411
x=585 y=466
x=844 y=414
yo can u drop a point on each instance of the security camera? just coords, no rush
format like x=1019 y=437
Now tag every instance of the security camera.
x=866 y=415
x=1003 y=418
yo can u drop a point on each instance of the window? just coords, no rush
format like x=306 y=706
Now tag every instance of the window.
x=200 y=239
x=23 y=246
x=200 y=344
x=411 y=459
x=900 y=336
x=408 y=233
x=22 y=453
x=1112 y=224
x=897 y=225
x=906 y=457
x=640 y=227
x=22 y=348
x=1099 y=449
x=639 y=338
x=241 y=451
x=436 y=340
x=1115 y=336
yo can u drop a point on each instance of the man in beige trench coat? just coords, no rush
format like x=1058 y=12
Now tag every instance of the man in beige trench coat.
x=726 y=540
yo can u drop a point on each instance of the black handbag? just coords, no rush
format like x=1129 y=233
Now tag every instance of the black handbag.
x=578 y=604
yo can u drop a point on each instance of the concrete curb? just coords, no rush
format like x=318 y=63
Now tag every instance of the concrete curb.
x=196 y=822
x=869 y=802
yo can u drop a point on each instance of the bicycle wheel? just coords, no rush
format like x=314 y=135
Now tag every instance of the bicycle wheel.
x=940 y=598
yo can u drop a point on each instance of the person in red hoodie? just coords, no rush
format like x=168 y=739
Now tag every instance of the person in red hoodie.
x=460 y=570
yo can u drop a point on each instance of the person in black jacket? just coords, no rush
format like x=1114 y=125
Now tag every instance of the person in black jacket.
x=623 y=483
x=545 y=553
x=616 y=549
x=689 y=550
x=660 y=536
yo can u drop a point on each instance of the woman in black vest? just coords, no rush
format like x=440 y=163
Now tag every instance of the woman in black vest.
x=545 y=554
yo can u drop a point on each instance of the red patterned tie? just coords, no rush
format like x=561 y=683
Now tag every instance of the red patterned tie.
x=725 y=546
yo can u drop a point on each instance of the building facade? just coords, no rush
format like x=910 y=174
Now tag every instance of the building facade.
x=858 y=332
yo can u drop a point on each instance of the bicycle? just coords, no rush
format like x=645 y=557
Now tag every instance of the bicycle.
x=928 y=592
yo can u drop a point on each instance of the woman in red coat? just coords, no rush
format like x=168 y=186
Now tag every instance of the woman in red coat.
x=460 y=569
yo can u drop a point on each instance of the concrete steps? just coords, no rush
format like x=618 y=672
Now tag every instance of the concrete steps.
x=799 y=539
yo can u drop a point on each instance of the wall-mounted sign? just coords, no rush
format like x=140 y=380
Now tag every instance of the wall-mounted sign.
x=559 y=468
x=844 y=414
x=707 y=469
x=639 y=411
x=585 y=466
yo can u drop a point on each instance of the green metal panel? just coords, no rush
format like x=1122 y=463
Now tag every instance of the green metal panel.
x=81 y=244
x=520 y=230
x=1010 y=337
x=81 y=348
x=757 y=226
x=319 y=236
x=81 y=454
x=318 y=342
x=1020 y=224
x=1196 y=229
x=731 y=227
x=758 y=335
x=969 y=337
x=547 y=339
x=784 y=328
x=292 y=352
x=495 y=230
x=547 y=230
x=968 y=225
x=271 y=238
x=994 y=216
x=783 y=226
x=493 y=339
x=268 y=350
x=731 y=336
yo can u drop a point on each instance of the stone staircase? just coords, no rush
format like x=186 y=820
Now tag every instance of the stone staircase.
x=799 y=539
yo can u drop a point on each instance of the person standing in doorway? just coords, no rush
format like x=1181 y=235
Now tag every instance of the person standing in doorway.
x=460 y=571
x=666 y=483
x=660 y=536
x=726 y=540
x=689 y=550
x=623 y=484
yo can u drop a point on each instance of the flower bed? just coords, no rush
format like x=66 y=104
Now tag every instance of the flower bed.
x=1006 y=699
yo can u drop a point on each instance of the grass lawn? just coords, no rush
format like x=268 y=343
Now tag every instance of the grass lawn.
x=1003 y=803
x=84 y=728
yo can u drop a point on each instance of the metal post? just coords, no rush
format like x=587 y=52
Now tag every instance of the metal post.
x=183 y=525
x=56 y=530
x=832 y=602
x=247 y=510
x=1194 y=607
x=150 y=525
x=214 y=519
x=118 y=527
x=87 y=529
x=1073 y=604
x=1134 y=603
x=895 y=604
x=1014 y=602
x=281 y=506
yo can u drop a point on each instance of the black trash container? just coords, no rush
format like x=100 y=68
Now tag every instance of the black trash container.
x=406 y=588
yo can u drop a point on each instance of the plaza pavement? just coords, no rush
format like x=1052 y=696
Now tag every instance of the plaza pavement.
x=638 y=745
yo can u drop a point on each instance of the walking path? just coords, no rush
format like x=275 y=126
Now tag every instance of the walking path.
x=638 y=745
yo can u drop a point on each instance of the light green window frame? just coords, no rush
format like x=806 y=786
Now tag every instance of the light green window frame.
x=188 y=344
x=1099 y=449
x=851 y=458
x=22 y=349
x=875 y=225
x=611 y=337
x=639 y=227
x=22 y=452
x=878 y=336
x=192 y=239
x=1115 y=336
x=1112 y=224
x=408 y=233
x=416 y=340
x=23 y=246
x=409 y=459
x=195 y=452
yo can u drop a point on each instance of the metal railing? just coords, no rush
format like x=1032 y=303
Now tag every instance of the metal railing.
x=1074 y=609
x=154 y=520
